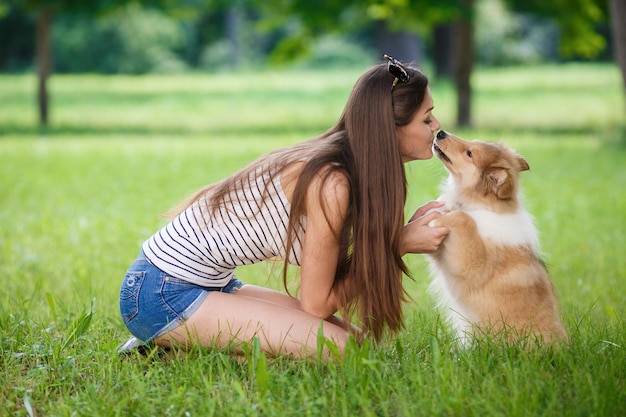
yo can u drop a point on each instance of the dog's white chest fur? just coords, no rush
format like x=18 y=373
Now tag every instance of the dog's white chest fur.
x=513 y=229
x=507 y=229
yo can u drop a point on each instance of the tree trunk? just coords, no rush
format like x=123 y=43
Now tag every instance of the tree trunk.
x=463 y=66
x=233 y=26
x=443 y=50
x=402 y=45
x=44 y=62
x=618 y=28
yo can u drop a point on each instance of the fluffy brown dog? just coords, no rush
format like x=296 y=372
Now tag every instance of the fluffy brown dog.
x=488 y=272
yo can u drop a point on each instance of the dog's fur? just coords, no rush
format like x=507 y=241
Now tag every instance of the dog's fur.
x=488 y=272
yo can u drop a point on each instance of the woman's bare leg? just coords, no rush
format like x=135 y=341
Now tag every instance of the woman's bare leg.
x=291 y=302
x=223 y=320
x=270 y=295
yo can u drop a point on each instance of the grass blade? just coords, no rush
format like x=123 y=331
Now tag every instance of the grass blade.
x=261 y=375
x=28 y=406
x=79 y=327
x=52 y=306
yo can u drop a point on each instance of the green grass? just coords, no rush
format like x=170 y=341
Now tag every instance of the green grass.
x=77 y=200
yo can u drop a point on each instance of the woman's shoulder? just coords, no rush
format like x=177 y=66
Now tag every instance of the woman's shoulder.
x=330 y=189
x=333 y=179
x=328 y=183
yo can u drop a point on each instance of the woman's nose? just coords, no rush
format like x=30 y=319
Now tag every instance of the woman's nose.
x=436 y=125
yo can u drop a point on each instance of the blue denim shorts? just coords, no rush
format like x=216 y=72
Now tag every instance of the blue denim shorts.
x=152 y=302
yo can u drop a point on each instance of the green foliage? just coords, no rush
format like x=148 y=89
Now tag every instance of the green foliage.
x=130 y=41
x=92 y=7
x=505 y=38
x=419 y=15
x=122 y=36
x=333 y=52
x=4 y=9
x=230 y=40
x=315 y=19
x=577 y=20
x=78 y=199
x=17 y=32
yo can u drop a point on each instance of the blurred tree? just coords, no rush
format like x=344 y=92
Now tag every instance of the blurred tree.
x=44 y=11
x=463 y=64
x=577 y=20
x=17 y=36
x=504 y=37
x=454 y=20
x=130 y=40
x=221 y=19
x=398 y=25
x=618 y=26
x=443 y=50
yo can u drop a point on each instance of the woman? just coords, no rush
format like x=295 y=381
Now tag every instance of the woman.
x=333 y=205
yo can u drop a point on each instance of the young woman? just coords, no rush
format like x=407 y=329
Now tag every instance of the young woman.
x=333 y=205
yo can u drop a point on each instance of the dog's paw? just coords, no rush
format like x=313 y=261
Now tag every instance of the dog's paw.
x=442 y=210
x=441 y=221
x=453 y=219
x=434 y=223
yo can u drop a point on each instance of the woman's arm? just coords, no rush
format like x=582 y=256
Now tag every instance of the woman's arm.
x=326 y=206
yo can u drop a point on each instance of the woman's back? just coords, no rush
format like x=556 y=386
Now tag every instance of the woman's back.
x=249 y=225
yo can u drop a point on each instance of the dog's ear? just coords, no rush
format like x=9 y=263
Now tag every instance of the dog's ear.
x=501 y=183
x=522 y=164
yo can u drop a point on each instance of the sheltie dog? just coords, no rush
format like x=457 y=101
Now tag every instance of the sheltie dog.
x=488 y=273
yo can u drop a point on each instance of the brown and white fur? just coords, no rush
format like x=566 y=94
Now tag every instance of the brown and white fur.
x=488 y=272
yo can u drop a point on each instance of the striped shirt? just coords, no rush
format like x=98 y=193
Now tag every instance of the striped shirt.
x=204 y=248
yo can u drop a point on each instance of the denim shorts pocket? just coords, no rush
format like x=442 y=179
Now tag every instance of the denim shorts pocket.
x=129 y=294
x=177 y=293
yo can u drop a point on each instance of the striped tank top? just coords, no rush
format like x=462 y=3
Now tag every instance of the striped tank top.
x=204 y=248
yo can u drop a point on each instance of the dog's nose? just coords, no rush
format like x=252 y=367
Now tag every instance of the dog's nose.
x=441 y=134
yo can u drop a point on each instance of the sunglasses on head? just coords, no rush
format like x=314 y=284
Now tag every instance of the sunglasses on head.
x=395 y=68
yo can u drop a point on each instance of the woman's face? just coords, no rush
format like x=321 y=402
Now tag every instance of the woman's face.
x=416 y=138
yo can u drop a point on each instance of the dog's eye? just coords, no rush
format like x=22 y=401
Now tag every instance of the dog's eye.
x=469 y=153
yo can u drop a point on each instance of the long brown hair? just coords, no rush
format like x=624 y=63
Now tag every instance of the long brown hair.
x=362 y=146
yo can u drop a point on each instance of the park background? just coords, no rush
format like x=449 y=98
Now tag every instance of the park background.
x=113 y=111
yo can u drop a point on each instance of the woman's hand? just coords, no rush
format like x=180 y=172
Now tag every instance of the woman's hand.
x=418 y=237
x=344 y=324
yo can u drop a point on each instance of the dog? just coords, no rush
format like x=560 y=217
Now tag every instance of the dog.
x=488 y=272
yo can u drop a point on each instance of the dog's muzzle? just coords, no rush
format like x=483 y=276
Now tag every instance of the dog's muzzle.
x=441 y=135
x=441 y=154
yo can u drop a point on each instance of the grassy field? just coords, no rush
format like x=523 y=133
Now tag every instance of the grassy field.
x=78 y=199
